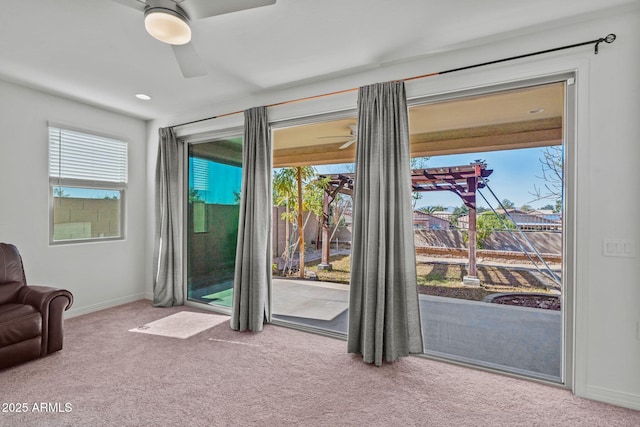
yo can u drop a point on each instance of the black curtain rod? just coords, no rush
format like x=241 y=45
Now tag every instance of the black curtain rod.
x=610 y=38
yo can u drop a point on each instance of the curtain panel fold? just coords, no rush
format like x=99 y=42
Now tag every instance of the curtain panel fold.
x=251 y=305
x=167 y=283
x=384 y=317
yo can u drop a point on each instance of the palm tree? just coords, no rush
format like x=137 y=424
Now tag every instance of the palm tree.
x=289 y=185
x=283 y=194
x=431 y=209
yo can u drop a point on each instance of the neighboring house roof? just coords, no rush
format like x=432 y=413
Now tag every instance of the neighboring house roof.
x=433 y=222
x=522 y=219
x=542 y=212
x=418 y=215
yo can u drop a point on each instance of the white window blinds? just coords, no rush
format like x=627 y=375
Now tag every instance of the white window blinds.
x=200 y=168
x=76 y=155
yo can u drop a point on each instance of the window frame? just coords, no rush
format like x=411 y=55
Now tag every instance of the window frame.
x=86 y=184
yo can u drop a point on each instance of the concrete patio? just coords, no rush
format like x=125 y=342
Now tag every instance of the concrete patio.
x=522 y=340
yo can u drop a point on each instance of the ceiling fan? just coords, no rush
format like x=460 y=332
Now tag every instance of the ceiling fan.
x=353 y=134
x=168 y=21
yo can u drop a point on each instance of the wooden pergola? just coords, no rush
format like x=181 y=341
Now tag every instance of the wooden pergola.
x=462 y=180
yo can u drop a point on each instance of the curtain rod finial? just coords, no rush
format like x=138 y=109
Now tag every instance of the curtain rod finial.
x=610 y=38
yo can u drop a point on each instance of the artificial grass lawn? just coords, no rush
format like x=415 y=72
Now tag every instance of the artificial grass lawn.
x=221 y=298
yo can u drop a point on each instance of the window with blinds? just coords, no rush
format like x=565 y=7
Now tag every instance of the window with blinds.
x=87 y=180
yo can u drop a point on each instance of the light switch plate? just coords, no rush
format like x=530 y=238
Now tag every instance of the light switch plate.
x=619 y=248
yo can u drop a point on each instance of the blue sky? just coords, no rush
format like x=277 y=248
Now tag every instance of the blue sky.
x=88 y=193
x=515 y=172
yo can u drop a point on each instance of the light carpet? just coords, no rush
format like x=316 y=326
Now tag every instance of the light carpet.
x=278 y=377
x=182 y=325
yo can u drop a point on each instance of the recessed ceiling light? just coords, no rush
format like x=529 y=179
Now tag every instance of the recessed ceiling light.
x=536 y=111
x=143 y=96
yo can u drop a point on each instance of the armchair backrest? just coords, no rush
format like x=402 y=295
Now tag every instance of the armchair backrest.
x=11 y=273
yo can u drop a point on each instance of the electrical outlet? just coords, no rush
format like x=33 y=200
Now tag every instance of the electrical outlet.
x=618 y=248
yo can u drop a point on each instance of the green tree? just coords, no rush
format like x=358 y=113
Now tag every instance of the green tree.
x=487 y=223
x=194 y=195
x=508 y=204
x=417 y=163
x=284 y=181
x=285 y=193
x=59 y=192
x=431 y=209
x=313 y=195
x=459 y=211
x=285 y=189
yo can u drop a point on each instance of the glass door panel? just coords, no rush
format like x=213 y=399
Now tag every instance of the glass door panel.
x=313 y=168
x=215 y=178
x=488 y=228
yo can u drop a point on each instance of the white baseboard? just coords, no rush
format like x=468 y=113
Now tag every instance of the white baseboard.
x=618 y=398
x=78 y=311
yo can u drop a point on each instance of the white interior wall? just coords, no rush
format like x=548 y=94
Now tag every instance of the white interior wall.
x=606 y=357
x=98 y=274
x=608 y=307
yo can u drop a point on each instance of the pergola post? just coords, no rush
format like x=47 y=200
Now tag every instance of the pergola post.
x=326 y=234
x=471 y=182
x=470 y=201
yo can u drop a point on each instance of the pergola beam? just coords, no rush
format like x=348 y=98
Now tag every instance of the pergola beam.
x=462 y=180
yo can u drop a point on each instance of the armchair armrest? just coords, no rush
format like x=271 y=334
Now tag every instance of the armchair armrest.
x=41 y=296
x=51 y=302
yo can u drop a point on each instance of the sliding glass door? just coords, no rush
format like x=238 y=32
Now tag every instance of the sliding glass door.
x=488 y=206
x=488 y=218
x=311 y=229
x=214 y=183
x=488 y=180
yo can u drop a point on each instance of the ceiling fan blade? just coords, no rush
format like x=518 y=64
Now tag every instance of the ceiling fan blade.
x=190 y=63
x=198 y=9
x=347 y=144
x=136 y=4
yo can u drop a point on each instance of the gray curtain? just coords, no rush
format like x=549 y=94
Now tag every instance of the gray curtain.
x=167 y=283
x=384 y=317
x=252 y=280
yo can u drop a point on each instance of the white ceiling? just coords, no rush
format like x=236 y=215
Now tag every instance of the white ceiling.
x=97 y=51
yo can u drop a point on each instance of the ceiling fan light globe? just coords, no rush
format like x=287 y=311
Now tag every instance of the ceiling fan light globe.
x=167 y=26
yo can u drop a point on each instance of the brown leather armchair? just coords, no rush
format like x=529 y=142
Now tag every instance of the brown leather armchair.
x=31 y=317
